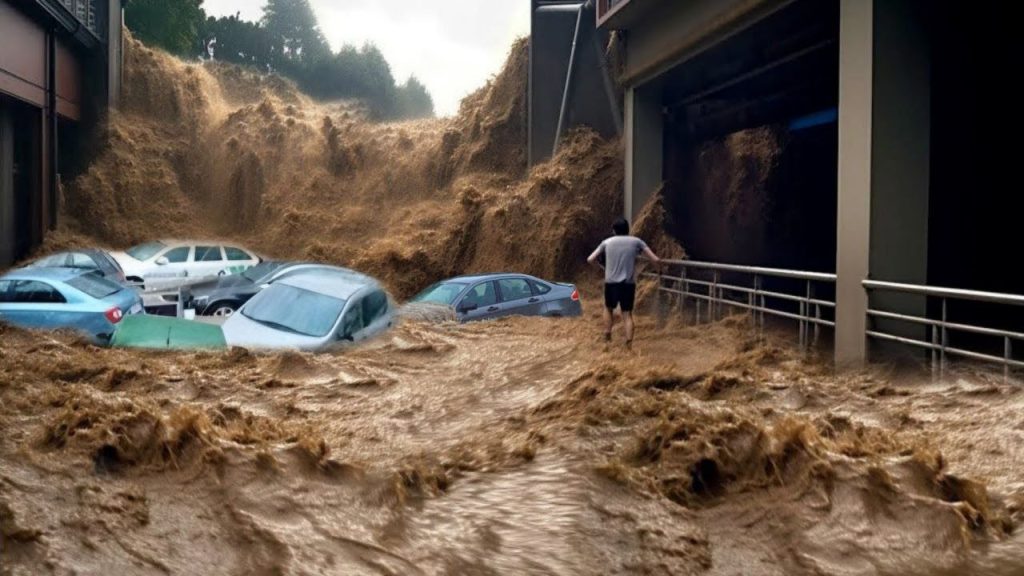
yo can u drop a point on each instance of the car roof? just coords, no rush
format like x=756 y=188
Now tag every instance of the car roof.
x=337 y=283
x=486 y=276
x=51 y=274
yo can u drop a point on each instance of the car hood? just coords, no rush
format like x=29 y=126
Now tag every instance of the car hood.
x=245 y=333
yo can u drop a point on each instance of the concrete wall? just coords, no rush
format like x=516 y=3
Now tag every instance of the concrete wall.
x=900 y=167
x=644 y=143
x=591 y=99
x=7 y=230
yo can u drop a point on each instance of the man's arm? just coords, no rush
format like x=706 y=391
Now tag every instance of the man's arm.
x=597 y=253
x=650 y=255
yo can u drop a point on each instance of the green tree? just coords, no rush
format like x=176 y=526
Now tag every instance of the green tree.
x=413 y=100
x=239 y=41
x=170 y=24
x=295 y=37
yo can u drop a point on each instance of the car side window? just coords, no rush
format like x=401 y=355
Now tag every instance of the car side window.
x=33 y=292
x=236 y=254
x=374 y=306
x=353 y=321
x=208 y=254
x=540 y=287
x=79 y=260
x=514 y=289
x=177 y=255
x=5 y=290
x=483 y=294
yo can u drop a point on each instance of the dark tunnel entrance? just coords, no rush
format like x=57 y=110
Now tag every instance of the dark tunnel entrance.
x=975 y=203
x=751 y=142
x=750 y=146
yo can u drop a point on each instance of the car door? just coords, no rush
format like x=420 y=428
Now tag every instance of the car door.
x=238 y=260
x=375 y=314
x=171 y=274
x=209 y=261
x=35 y=304
x=479 y=302
x=517 y=298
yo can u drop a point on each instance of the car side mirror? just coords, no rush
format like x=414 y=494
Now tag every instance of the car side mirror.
x=346 y=338
x=162 y=261
x=467 y=307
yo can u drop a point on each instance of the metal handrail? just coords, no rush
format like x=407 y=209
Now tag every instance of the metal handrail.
x=939 y=329
x=715 y=294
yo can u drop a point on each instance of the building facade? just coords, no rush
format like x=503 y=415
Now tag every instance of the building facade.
x=60 y=66
x=861 y=138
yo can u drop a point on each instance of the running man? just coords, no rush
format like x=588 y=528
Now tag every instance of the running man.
x=620 y=253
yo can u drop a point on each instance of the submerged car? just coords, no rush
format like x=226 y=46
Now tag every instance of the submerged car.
x=170 y=264
x=485 y=296
x=52 y=298
x=312 y=311
x=163 y=333
x=226 y=294
x=85 y=259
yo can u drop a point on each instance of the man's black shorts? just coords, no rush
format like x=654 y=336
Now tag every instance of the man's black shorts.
x=620 y=294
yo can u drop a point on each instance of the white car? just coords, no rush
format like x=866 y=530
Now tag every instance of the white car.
x=168 y=264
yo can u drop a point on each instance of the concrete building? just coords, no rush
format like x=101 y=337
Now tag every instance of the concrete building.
x=880 y=128
x=60 y=63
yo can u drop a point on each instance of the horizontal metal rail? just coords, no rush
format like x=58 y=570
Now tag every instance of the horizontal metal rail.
x=714 y=295
x=939 y=329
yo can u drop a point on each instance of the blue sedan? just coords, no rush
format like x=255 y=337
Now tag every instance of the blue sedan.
x=486 y=296
x=52 y=298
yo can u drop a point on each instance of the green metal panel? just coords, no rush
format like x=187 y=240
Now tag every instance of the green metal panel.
x=163 y=333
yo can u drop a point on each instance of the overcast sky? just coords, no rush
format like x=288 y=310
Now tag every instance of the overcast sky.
x=452 y=46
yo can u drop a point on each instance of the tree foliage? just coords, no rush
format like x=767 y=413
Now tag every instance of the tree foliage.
x=287 y=40
x=170 y=24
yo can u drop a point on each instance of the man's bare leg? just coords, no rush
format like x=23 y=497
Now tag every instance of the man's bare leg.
x=609 y=321
x=627 y=318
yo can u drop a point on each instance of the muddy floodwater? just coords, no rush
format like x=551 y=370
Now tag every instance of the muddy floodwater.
x=523 y=446
x=520 y=446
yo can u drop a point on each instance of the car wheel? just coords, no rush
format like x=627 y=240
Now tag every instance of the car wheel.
x=223 y=310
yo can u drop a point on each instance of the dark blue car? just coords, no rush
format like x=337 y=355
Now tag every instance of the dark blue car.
x=485 y=296
x=74 y=298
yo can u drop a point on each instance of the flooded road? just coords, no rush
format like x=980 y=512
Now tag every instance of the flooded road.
x=522 y=446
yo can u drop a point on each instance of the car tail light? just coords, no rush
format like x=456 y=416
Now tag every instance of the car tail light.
x=575 y=295
x=114 y=315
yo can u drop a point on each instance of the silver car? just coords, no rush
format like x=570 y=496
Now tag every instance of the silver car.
x=312 y=311
x=485 y=296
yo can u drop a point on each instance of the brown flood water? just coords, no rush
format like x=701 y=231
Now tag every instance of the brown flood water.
x=521 y=446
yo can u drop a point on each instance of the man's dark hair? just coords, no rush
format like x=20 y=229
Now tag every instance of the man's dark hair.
x=621 y=227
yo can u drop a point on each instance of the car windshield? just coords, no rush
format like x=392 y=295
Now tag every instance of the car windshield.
x=144 y=252
x=295 y=310
x=258 y=271
x=441 y=293
x=94 y=285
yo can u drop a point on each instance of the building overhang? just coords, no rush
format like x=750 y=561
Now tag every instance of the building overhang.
x=54 y=13
x=621 y=14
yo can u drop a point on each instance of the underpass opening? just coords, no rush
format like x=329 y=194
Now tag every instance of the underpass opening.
x=974 y=207
x=750 y=144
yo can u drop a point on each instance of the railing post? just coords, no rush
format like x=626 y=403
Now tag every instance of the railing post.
x=945 y=340
x=1007 y=355
x=662 y=300
x=685 y=289
x=713 y=293
x=935 y=352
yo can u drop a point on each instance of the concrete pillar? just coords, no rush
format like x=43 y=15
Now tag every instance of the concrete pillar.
x=856 y=60
x=900 y=167
x=884 y=134
x=644 y=141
